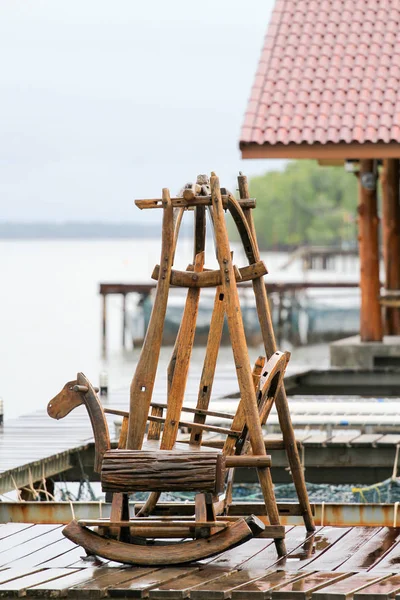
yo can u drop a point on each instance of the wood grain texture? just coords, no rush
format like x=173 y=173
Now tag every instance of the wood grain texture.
x=267 y=330
x=210 y=362
x=239 y=347
x=371 y=328
x=68 y=399
x=207 y=279
x=158 y=555
x=129 y=471
x=179 y=202
x=65 y=401
x=184 y=350
x=143 y=381
x=391 y=237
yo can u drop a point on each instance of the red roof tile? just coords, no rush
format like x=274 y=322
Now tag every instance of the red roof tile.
x=329 y=72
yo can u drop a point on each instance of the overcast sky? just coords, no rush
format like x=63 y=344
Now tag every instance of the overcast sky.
x=103 y=101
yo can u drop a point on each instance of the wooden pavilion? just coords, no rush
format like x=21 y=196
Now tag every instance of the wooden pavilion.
x=327 y=87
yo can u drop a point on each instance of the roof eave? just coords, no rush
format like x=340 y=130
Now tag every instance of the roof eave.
x=326 y=152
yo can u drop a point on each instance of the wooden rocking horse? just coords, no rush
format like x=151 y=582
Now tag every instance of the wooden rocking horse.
x=157 y=462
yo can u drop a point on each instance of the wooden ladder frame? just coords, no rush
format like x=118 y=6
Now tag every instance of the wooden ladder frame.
x=259 y=388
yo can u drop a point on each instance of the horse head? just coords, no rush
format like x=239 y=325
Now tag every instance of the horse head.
x=65 y=401
x=77 y=392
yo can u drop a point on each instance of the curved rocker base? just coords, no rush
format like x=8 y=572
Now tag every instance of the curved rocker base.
x=178 y=553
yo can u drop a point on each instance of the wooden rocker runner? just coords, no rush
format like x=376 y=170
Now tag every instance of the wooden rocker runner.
x=155 y=461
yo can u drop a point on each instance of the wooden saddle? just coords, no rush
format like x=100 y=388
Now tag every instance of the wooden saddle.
x=149 y=456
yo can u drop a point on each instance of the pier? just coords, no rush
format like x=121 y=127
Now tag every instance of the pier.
x=278 y=292
x=334 y=563
x=34 y=448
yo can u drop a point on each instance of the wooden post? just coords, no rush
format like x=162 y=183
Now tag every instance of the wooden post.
x=240 y=353
x=104 y=327
x=368 y=223
x=142 y=385
x=282 y=405
x=391 y=238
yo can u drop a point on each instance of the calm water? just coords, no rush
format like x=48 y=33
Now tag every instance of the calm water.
x=50 y=312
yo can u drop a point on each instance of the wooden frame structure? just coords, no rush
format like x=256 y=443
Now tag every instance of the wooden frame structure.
x=157 y=462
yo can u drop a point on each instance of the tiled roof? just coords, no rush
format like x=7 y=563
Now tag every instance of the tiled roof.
x=329 y=72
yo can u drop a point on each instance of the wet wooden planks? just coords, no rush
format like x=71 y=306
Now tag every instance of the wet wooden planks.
x=332 y=564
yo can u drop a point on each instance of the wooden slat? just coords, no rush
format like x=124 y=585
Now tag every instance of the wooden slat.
x=262 y=588
x=232 y=559
x=180 y=588
x=372 y=551
x=23 y=536
x=367 y=439
x=85 y=562
x=44 y=554
x=313 y=547
x=176 y=392
x=345 y=588
x=8 y=574
x=143 y=585
x=66 y=559
x=301 y=589
x=383 y=590
x=222 y=588
x=390 y=562
x=295 y=539
x=151 y=524
x=25 y=549
x=59 y=587
x=105 y=578
x=22 y=583
x=336 y=555
x=9 y=529
x=343 y=439
x=390 y=439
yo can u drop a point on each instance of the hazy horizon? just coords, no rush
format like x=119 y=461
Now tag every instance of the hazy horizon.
x=104 y=102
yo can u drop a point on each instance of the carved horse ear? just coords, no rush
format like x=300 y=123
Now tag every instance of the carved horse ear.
x=62 y=404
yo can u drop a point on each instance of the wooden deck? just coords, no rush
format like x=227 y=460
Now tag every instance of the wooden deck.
x=333 y=564
x=35 y=446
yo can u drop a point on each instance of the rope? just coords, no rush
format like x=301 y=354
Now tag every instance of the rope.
x=16 y=489
x=72 y=509
x=31 y=486
x=396 y=462
x=395 y=509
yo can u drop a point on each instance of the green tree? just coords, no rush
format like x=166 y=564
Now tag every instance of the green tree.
x=304 y=204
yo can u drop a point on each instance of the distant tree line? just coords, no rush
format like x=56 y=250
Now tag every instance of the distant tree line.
x=305 y=204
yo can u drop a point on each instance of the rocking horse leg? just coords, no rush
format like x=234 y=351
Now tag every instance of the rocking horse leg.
x=239 y=347
x=120 y=501
x=282 y=406
x=119 y=512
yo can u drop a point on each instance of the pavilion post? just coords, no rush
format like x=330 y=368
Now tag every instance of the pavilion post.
x=368 y=225
x=391 y=238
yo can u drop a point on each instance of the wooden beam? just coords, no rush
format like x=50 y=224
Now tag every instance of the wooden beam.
x=317 y=151
x=368 y=224
x=391 y=238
